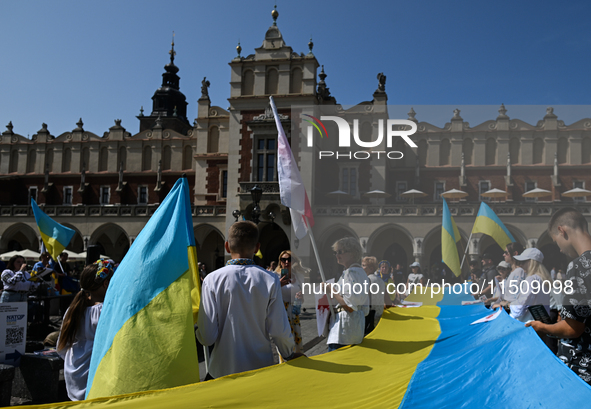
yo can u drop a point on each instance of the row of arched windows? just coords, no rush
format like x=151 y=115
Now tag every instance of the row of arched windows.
x=66 y=165
x=272 y=81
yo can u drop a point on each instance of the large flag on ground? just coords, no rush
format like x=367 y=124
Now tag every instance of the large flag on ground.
x=293 y=191
x=440 y=361
x=55 y=236
x=450 y=235
x=145 y=337
x=488 y=222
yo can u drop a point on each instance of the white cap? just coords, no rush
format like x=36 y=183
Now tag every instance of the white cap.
x=415 y=264
x=530 y=254
x=504 y=264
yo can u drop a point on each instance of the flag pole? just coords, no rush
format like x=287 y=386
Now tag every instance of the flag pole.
x=317 y=254
x=466 y=251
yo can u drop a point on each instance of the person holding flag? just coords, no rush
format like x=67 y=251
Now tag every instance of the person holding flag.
x=145 y=338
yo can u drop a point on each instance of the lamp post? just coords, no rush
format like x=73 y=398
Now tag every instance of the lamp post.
x=256 y=193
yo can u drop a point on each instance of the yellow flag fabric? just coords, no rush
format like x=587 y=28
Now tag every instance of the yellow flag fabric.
x=145 y=338
x=428 y=357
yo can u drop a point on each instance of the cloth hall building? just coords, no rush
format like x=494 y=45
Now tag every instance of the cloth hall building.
x=106 y=186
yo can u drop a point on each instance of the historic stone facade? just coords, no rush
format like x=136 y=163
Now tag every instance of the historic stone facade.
x=106 y=187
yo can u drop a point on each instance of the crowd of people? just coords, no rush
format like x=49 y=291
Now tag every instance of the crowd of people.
x=244 y=306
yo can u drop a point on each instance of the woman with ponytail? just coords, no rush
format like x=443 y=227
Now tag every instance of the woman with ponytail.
x=79 y=326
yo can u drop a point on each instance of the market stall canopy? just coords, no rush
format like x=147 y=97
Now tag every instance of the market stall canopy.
x=537 y=192
x=454 y=194
x=27 y=254
x=495 y=193
x=577 y=192
x=377 y=194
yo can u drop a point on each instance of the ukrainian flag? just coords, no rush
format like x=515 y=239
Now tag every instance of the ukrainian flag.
x=55 y=236
x=450 y=235
x=440 y=361
x=145 y=337
x=487 y=222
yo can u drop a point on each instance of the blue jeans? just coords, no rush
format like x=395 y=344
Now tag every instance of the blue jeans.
x=8 y=296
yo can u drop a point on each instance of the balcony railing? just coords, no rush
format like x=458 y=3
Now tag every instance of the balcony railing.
x=108 y=211
x=501 y=209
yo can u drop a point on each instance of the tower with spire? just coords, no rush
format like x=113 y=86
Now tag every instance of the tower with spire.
x=169 y=104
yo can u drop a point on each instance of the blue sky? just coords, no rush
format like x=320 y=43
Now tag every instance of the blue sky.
x=62 y=60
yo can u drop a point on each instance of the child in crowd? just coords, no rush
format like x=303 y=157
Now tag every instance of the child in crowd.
x=79 y=326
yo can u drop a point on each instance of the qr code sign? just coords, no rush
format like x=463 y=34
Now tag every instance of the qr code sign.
x=14 y=335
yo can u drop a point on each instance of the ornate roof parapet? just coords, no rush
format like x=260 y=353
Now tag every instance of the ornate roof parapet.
x=117 y=132
x=411 y=115
x=323 y=92
x=550 y=121
x=42 y=134
x=9 y=129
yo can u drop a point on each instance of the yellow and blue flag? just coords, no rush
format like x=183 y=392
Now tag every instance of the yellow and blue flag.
x=488 y=222
x=450 y=235
x=55 y=236
x=145 y=337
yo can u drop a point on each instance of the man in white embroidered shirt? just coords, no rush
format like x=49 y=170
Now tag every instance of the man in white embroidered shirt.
x=241 y=308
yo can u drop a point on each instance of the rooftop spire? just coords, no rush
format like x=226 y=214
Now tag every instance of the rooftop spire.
x=275 y=14
x=172 y=52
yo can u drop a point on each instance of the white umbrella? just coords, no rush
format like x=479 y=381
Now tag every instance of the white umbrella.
x=27 y=254
x=577 y=192
x=413 y=193
x=338 y=194
x=454 y=194
x=495 y=193
x=537 y=192
x=377 y=194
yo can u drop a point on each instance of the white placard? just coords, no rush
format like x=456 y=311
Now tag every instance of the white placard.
x=13 y=332
x=322 y=311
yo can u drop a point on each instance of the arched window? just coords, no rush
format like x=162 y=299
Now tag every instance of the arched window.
x=538 y=151
x=31 y=159
x=85 y=159
x=514 y=148
x=166 y=158
x=147 y=158
x=422 y=152
x=295 y=87
x=562 y=150
x=103 y=159
x=272 y=81
x=444 y=152
x=66 y=160
x=586 y=150
x=490 y=152
x=122 y=158
x=13 y=161
x=468 y=150
x=48 y=159
x=188 y=157
x=213 y=140
x=248 y=83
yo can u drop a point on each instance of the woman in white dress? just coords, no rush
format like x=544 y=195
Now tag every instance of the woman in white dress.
x=79 y=326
